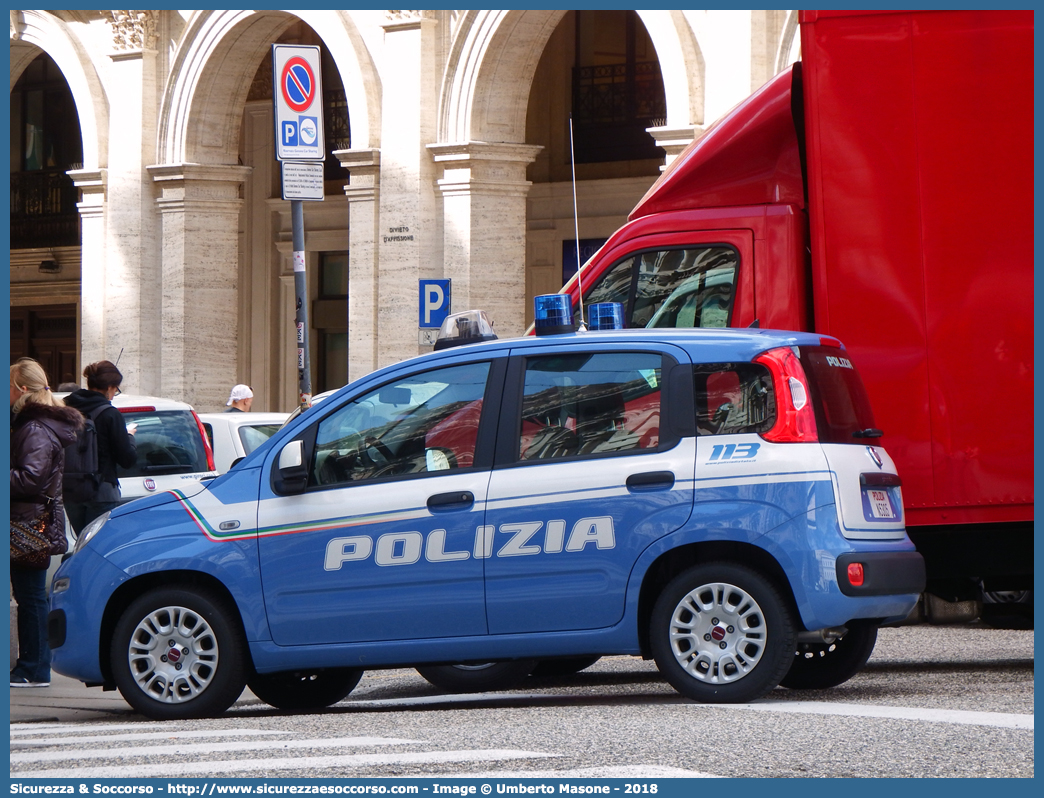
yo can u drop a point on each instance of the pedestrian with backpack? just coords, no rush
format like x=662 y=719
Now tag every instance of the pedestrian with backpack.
x=91 y=486
x=41 y=428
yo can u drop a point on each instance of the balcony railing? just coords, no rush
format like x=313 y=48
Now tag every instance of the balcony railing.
x=43 y=210
x=613 y=104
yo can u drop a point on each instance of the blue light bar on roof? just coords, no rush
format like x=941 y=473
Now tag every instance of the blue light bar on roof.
x=553 y=314
x=605 y=316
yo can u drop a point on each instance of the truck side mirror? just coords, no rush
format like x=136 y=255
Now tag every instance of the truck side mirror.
x=292 y=474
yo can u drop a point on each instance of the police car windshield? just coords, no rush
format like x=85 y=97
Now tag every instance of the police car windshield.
x=841 y=404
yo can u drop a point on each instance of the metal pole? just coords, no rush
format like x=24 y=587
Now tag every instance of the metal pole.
x=304 y=370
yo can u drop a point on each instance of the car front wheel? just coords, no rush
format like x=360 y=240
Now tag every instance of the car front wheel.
x=179 y=653
x=722 y=633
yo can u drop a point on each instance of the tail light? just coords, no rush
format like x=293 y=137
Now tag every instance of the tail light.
x=855 y=574
x=206 y=443
x=795 y=419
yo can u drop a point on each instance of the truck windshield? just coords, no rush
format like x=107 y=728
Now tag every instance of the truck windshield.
x=841 y=405
x=691 y=287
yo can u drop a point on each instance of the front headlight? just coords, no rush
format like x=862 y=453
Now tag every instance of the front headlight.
x=90 y=531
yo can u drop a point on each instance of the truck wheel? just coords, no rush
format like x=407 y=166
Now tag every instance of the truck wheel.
x=562 y=667
x=818 y=666
x=722 y=633
x=178 y=653
x=304 y=689
x=479 y=677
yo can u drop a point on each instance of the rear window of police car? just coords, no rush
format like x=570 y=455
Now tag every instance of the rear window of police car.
x=733 y=398
x=167 y=442
x=839 y=399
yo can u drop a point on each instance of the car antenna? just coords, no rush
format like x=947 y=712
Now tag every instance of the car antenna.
x=576 y=223
x=118 y=357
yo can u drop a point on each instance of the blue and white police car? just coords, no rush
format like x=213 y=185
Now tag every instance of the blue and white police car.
x=713 y=499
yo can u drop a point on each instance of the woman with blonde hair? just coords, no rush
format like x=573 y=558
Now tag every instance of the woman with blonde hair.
x=41 y=427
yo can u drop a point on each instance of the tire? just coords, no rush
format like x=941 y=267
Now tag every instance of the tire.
x=722 y=633
x=562 y=667
x=818 y=666
x=479 y=677
x=198 y=625
x=304 y=689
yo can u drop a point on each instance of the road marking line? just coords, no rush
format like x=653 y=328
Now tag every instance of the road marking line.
x=164 y=735
x=611 y=772
x=21 y=729
x=450 y=698
x=307 y=764
x=204 y=748
x=1003 y=720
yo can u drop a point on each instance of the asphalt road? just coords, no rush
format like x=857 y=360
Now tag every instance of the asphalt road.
x=932 y=702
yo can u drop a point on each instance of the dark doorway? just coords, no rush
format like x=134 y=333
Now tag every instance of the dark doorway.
x=47 y=333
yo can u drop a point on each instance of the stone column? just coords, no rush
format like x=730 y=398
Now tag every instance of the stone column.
x=363 y=192
x=484 y=190
x=408 y=240
x=131 y=288
x=92 y=263
x=199 y=217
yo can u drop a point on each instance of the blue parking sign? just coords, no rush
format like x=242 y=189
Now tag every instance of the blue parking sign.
x=434 y=302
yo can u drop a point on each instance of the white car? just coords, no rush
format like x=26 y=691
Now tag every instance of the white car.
x=172 y=447
x=235 y=435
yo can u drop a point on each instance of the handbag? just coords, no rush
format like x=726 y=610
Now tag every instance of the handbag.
x=30 y=544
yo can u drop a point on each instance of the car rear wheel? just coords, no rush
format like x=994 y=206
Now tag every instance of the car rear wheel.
x=478 y=677
x=722 y=633
x=818 y=666
x=304 y=689
x=179 y=653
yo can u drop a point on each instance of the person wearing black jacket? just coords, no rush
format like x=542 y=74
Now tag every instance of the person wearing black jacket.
x=41 y=428
x=115 y=440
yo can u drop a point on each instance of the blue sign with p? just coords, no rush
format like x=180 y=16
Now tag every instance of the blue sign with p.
x=289 y=134
x=434 y=302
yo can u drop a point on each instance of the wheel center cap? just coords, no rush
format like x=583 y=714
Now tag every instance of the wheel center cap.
x=173 y=655
x=718 y=633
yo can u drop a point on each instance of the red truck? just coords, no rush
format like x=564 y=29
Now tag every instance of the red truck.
x=879 y=191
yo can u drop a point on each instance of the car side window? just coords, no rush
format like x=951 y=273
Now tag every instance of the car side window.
x=733 y=398
x=423 y=423
x=691 y=287
x=590 y=405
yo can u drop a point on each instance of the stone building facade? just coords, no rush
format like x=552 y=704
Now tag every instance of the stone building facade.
x=450 y=159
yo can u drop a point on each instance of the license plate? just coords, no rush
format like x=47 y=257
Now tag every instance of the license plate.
x=880 y=506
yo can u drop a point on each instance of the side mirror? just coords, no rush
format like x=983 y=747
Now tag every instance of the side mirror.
x=292 y=472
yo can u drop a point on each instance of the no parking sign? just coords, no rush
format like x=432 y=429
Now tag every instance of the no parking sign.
x=297 y=98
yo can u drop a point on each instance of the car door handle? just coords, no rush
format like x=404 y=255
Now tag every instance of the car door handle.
x=651 y=480
x=455 y=500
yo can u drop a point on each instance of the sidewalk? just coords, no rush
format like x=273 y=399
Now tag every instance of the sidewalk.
x=66 y=700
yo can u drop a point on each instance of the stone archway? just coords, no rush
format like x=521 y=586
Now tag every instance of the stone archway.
x=33 y=31
x=199 y=180
x=482 y=146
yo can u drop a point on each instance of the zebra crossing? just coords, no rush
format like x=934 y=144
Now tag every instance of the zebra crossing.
x=104 y=750
x=170 y=750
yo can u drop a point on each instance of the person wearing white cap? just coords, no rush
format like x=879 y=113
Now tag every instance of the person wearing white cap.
x=240 y=399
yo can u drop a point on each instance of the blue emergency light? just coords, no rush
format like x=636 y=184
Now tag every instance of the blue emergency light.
x=553 y=314
x=605 y=316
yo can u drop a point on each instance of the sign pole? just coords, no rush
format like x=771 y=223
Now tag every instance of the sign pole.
x=297 y=105
x=304 y=370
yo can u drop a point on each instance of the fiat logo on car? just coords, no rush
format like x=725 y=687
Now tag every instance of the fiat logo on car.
x=875 y=456
x=150 y=483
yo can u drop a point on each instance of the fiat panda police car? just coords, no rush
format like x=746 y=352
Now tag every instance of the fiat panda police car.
x=714 y=499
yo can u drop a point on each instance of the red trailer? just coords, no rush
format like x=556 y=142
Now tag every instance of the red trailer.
x=879 y=191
